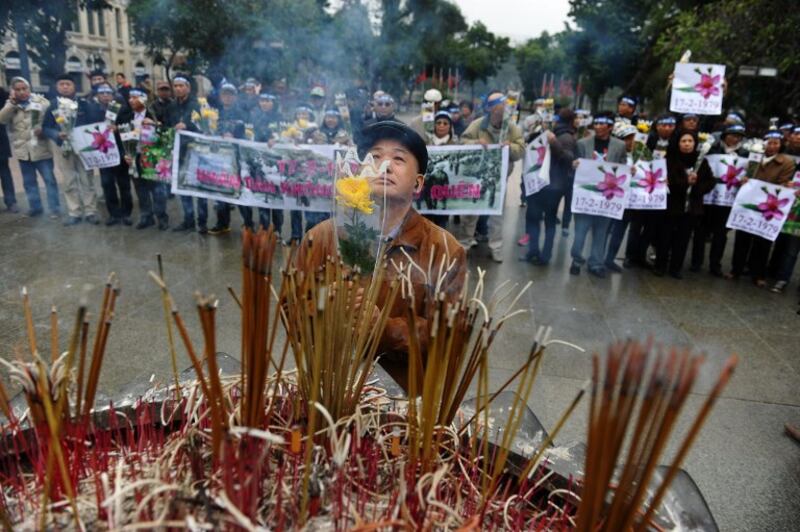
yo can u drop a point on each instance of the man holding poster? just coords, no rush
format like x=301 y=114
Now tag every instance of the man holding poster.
x=594 y=209
x=751 y=246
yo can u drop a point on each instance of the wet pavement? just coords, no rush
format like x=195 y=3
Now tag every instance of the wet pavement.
x=747 y=468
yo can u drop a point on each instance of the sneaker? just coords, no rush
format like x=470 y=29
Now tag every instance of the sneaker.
x=613 y=267
x=92 y=219
x=185 y=225
x=539 y=261
x=219 y=230
x=497 y=256
x=574 y=269
x=113 y=221
x=524 y=240
x=145 y=222
x=778 y=287
x=13 y=209
x=72 y=220
x=33 y=213
x=126 y=220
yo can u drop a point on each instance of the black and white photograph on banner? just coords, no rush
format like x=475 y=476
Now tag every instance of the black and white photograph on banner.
x=400 y=265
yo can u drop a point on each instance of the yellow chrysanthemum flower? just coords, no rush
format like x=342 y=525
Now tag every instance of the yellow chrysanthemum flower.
x=643 y=126
x=60 y=119
x=354 y=192
x=202 y=101
x=195 y=116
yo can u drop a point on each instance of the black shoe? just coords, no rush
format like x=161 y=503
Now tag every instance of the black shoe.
x=145 y=222
x=539 y=261
x=694 y=268
x=219 y=230
x=613 y=267
x=716 y=272
x=186 y=225
x=126 y=220
x=92 y=219
x=33 y=213
x=203 y=230
x=676 y=275
x=574 y=269
x=13 y=209
x=163 y=225
x=528 y=258
x=598 y=272
x=113 y=221
x=72 y=220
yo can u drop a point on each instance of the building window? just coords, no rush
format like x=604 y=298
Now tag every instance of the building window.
x=118 y=22
x=90 y=22
x=101 y=22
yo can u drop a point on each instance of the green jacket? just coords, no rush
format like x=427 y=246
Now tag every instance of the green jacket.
x=481 y=130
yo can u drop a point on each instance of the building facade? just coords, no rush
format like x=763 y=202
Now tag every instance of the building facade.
x=99 y=39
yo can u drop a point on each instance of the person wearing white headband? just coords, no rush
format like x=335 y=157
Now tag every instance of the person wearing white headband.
x=79 y=190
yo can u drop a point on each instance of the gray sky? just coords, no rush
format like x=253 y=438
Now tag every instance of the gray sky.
x=518 y=19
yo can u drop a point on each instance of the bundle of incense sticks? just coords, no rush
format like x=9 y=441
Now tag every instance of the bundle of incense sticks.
x=637 y=406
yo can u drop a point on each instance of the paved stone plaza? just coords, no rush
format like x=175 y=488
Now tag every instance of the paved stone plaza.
x=747 y=468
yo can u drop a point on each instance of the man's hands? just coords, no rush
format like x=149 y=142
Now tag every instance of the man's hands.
x=180 y=126
x=692 y=178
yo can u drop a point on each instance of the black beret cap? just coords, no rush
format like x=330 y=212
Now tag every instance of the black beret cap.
x=391 y=129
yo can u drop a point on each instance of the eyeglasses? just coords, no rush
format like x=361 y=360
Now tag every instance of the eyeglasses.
x=383 y=104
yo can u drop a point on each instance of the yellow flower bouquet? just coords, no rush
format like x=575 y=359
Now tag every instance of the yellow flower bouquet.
x=356 y=216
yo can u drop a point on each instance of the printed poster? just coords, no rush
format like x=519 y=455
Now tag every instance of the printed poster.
x=95 y=145
x=728 y=171
x=649 y=186
x=697 y=88
x=536 y=165
x=761 y=209
x=601 y=188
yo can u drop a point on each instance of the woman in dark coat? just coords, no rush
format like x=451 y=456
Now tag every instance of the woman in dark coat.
x=689 y=179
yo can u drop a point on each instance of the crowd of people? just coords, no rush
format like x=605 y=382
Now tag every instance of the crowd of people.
x=658 y=240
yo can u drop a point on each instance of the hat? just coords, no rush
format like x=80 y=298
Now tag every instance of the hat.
x=734 y=129
x=625 y=131
x=318 y=91
x=97 y=72
x=64 y=77
x=433 y=96
x=391 y=129
x=228 y=87
x=773 y=134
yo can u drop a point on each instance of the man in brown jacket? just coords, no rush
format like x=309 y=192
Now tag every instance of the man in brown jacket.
x=750 y=250
x=408 y=235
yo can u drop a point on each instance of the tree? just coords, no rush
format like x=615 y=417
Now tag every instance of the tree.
x=538 y=57
x=480 y=53
x=41 y=27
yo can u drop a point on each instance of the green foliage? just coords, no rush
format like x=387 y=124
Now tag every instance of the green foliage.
x=543 y=55
x=480 y=52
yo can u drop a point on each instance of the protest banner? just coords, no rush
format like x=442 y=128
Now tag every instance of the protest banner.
x=601 y=188
x=697 y=88
x=536 y=165
x=459 y=180
x=95 y=145
x=649 y=186
x=728 y=171
x=761 y=209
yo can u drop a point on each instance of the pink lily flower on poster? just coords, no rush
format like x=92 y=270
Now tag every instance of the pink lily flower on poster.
x=771 y=207
x=540 y=151
x=731 y=176
x=164 y=168
x=101 y=141
x=708 y=85
x=651 y=180
x=610 y=185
